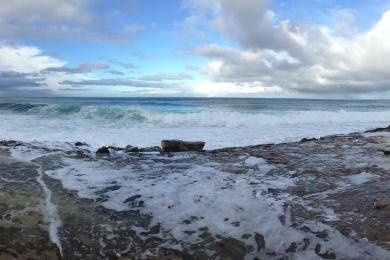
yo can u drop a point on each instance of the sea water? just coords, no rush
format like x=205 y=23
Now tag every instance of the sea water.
x=221 y=122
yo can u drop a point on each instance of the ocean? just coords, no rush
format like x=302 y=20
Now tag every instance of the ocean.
x=279 y=201
x=221 y=122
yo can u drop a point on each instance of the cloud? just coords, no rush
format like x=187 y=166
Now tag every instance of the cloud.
x=28 y=71
x=126 y=65
x=189 y=28
x=82 y=68
x=294 y=57
x=13 y=83
x=14 y=80
x=166 y=77
x=344 y=21
x=24 y=71
x=50 y=10
x=62 y=19
x=116 y=72
x=114 y=82
x=26 y=59
x=220 y=89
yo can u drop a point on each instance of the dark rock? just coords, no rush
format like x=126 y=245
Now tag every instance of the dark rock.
x=181 y=146
x=155 y=229
x=230 y=248
x=322 y=234
x=79 y=154
x=378 y=204
x=80 y=144
x=307 y=139
x=108 y=189
x=246 y=236
x=10 y=143
x=171 y=145
x=292 y=248
x=103 y=150
x=379 y=129
x=131 y=149
x=260 y=242
x=306 y=243
x=385 y=152
x=326 y=255
x=116 y=149
x=274 y=191
x=190 y=220
x=189 y=232
x=236 y=224
x=150 y=149
x=132 y=198
x=192 y=146
x=134 y=202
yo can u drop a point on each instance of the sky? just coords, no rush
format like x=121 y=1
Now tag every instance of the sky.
x=203 y=48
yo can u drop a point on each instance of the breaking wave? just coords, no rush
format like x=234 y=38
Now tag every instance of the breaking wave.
x=133 y=116
x=20 y=107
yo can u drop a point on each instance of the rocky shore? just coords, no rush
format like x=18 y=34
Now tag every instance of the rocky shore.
x=326 y=198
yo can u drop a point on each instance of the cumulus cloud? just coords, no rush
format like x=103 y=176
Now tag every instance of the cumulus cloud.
x=26 y=59
x=24 y=71
x=27 y=70
x=298 y=58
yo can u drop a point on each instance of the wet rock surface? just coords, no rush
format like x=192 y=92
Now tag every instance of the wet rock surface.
x=320 y=199
x=181 y=146
x=23 y=232
x=103 y=151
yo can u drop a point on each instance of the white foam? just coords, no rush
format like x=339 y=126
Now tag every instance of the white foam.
x=255 y=161
x=51 y=214
x=360 y=178
x=218 y=129
x=218 y=200
x=49 y=209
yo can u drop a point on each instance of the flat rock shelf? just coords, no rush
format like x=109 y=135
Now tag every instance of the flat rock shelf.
x=315 y=199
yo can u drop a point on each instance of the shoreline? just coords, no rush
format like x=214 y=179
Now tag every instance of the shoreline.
x=153 y=149
x=318 y=198
x=220 y=124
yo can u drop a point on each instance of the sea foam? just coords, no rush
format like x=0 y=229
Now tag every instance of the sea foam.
x=220 y=123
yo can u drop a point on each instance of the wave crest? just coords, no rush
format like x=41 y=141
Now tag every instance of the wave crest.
x=20 y=107
x=132 y=116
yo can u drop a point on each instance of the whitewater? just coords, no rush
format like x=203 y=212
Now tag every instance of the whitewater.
x=298 y=200
x=220 y=122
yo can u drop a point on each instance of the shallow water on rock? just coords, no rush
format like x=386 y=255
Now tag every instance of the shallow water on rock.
x=304 y=200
